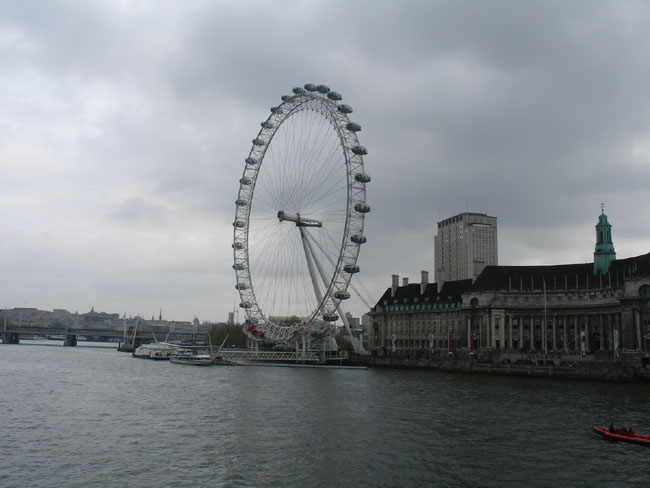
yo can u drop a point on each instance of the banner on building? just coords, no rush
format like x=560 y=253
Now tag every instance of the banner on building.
x=472 y=342
x=393 y=346
x=583 y=343
x=450 y=342
x=430 y=342
x=616 y=343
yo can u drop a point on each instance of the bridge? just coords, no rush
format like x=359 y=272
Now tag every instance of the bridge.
x=11 y=333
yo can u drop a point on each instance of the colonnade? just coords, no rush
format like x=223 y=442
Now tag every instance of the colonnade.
x=602 y=331
x=567 y=331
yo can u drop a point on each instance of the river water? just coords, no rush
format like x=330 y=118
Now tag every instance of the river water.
x=91 y=416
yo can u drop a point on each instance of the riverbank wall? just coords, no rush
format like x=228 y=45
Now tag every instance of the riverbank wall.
x=581 y=370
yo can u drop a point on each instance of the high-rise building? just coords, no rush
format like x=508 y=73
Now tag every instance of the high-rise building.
x=464 y=245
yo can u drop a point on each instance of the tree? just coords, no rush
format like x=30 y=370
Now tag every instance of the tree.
x=343 y=343
x=233 y=334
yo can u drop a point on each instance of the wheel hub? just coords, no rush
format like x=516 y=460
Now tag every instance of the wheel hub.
x=300 y=221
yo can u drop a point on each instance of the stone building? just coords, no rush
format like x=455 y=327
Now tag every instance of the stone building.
x=595 y=312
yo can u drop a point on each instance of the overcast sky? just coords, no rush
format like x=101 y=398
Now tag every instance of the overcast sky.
x=124 y=126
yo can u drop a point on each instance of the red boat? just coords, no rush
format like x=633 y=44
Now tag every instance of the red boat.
x=622 y=435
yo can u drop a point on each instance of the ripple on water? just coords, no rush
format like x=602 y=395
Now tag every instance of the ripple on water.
x=94 y=417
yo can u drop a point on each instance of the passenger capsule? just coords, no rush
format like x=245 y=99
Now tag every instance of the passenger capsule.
x=353 y=127
x=239 y=224
x=274 y=109
x=238 y=266
x=359 y=150
x=311 y=87
x=245 y=181
x=238 y=245
x=284 y=98
x=267 y=124
x=362 y=177
x=334 y=96
x=344 y=109
x=351 y=268
x=241 y=286
x=358 y=238
x=251 y=161
x=259 y=142
x=341 y=295
x=362 y=208
x=330 y=317
x=323 y=89
x=298 y=90
x=245 y=305
x=240 y=202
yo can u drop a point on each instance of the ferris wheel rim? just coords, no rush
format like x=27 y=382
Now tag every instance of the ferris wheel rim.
x=336 y=114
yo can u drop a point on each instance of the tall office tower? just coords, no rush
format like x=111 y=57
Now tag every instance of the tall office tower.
x=464 y=245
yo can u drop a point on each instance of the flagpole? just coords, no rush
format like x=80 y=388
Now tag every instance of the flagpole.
x=544 y=329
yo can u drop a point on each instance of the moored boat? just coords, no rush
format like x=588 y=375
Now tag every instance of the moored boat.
x=192 y=359
x=156 y=350
x=622 y=434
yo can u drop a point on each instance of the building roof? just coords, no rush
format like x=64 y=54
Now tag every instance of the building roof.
x=451 y=293
x=560 y=277
x=518 y=278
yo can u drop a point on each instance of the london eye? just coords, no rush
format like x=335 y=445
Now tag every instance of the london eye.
x=299 y=220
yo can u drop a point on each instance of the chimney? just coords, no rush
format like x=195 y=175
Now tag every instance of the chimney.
x=424 y=282
x=405 y=281
x=395 y=285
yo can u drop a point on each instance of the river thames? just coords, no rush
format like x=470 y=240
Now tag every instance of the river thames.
x=91 y=416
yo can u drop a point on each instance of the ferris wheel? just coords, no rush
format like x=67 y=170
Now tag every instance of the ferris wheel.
x=299 y=218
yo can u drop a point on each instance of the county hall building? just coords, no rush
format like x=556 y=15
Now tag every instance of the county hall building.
x=595 y=311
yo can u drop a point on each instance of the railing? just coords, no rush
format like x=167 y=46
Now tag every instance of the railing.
x=269 y=356
x=284 y=356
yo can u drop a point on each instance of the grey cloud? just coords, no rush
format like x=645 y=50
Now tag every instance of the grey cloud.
x=137 y=119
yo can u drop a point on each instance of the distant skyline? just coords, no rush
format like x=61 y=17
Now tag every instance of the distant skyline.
x=124 y=127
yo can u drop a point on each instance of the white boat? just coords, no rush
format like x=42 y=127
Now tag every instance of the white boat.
x=192 y=359
x=157 y=350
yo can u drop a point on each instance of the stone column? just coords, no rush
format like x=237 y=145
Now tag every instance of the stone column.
x=637 y=327
x=531 y=326
x=628 y=329
x=493 y=335
x=502 y=331
x=554 y=332
x=510 y=332
x=601 y=331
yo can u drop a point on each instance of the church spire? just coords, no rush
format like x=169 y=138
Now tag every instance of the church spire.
x=604 y=253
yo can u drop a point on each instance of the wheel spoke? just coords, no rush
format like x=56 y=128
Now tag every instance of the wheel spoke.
x=300 y=175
